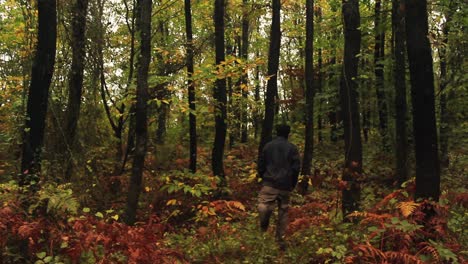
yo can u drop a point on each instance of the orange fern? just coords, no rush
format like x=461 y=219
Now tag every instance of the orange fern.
x=401 y=257
x=386 y=199
x=407 y=208
x=431 y=250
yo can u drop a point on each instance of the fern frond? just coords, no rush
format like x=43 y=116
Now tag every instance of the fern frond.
x=386 y=199
x=430 y=249
x=351 y=260
x=370 y=253
x=370 y=217
x=401 y=257
x=407 y=208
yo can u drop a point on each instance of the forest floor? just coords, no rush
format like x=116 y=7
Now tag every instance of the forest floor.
x=196 y=218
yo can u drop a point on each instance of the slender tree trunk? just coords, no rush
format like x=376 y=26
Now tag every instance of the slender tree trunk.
x=41 y=77
x=75 y=83
x=231 y=107
x=272 y=85
x=349 y=106
x=309 y=93
x=129 y=150
x=219 y=93
x=191 y=88
x=320 y=103
x=444 y=124
x=422 y=97
x=244 y=77
x=379 y=50
x=131 y=65
x=366 y=106
x=257 y=114
x=398 y=26
x=141 y=129
x=163 y=111
x=162 y=92
x=319 y=81
x=333 y=114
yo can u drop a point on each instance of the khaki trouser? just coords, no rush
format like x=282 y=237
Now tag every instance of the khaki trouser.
x=267 y=198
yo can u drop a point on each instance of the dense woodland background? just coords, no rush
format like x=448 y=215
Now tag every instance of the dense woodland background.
x=130 y=129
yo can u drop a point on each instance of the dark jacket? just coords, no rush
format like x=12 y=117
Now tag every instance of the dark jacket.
x=279 y=164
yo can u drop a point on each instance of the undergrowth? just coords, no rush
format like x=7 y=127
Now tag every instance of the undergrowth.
x=197 y=218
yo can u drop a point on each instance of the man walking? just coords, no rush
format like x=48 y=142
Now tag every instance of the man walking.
x=278 y=166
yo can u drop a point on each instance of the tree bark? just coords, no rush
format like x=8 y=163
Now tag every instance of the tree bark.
x=444 y=124
x=422 y=97
x=398 y=26
x=333 y=114
x=320 y=82
x=191 y=88
x=272 y=85
x=244 y=77
x=75 y=83
x=41 y=77
x=219 y=93
x=130 y=20
x=141 y=129
x=349 y=106
x=257 y=114
x=309 y=93
x=379 y=51
x=161 y=90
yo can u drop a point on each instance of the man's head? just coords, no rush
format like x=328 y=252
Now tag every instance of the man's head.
x=283 y=130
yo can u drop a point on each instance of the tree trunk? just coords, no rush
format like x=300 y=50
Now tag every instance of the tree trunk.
x=320 y=81
x=75 y=83
x=141 y=129
x=349 y=106
x=129 y=150
x=131 y=60
x=366 y=105
x=379 y=50
x=422 y=97
x=398 y=26
x=161 y=90
x=191 y=88
x=272 y=85
x=231 y=102
x=444 y=124
x=244 y=77
x=333 y=113
x=257 y=114
x=219 y=93
x=41 y=77
x=309 y=93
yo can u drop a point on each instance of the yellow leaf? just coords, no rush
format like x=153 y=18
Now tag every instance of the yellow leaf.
x=147 y=189
x=115 y=217
x=171 y=202
x=237 y=205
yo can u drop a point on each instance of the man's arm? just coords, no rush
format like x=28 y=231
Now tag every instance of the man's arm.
x=261 y=168
x=295 y=166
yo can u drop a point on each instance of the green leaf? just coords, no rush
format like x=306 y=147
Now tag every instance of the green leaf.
x=99 y=214
x=41 y=255
x=48 y=259
x=86 y=210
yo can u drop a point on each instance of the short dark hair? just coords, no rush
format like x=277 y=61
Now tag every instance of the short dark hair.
x=283 y=130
